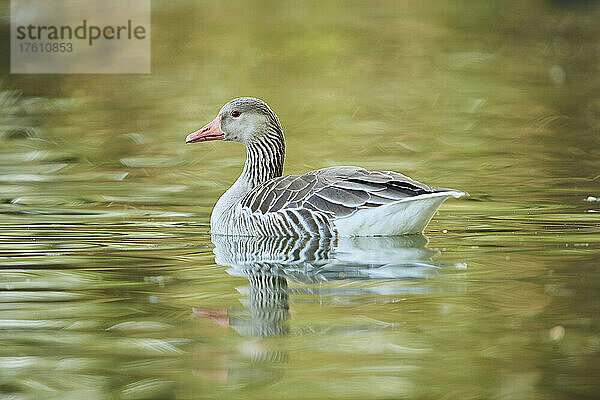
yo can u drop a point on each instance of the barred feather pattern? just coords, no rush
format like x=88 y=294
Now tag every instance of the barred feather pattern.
x=309 y=204
x=265 y=158
x=264 y=203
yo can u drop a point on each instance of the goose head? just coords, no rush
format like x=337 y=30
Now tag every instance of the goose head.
x=244 y=120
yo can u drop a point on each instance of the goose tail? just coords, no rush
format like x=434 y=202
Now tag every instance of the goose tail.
x=404 y=217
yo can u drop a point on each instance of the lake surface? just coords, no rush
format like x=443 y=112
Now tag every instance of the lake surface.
x=110 y=284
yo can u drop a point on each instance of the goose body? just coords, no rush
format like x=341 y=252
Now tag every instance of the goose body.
x=330 y=202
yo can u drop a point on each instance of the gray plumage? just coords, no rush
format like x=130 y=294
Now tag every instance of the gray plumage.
x=318 y=203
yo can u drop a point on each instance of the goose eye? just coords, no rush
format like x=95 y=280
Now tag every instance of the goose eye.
x=235 y=114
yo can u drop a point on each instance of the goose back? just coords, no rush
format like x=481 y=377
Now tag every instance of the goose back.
x=310 y=204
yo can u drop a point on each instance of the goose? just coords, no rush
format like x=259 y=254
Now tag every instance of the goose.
x=341 y=201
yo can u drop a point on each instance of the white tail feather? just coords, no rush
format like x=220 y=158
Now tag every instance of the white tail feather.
x=404 y=217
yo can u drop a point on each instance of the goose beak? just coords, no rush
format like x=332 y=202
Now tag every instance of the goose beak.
x=210 y=131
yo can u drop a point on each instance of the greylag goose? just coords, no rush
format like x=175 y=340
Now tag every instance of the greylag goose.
x=329 y=202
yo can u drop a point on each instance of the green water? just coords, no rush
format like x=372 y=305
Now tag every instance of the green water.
x=109 y=283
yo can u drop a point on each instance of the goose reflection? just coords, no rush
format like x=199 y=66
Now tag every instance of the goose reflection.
x=270 y=263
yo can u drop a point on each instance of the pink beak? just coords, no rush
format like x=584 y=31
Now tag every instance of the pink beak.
x=210 y=131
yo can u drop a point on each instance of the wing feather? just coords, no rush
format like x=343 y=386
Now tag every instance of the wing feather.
x=333 y=209
x=336 y=192
x=280 y=201
x=345 y=197
x=357 y=185
x=256 y=197
x=267 y=200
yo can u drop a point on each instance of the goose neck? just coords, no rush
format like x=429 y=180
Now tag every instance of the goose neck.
x=264 y=160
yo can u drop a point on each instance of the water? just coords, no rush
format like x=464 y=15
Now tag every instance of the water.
x=112 y=287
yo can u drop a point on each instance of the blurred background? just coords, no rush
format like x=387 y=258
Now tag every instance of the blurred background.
x=109 y=283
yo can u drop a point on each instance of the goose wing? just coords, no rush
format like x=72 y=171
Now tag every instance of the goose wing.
x=335 y=191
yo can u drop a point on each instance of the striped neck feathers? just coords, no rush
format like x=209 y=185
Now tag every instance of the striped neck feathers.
x=265 y=157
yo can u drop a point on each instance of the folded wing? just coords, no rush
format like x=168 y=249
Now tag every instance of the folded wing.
x=336 y=192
